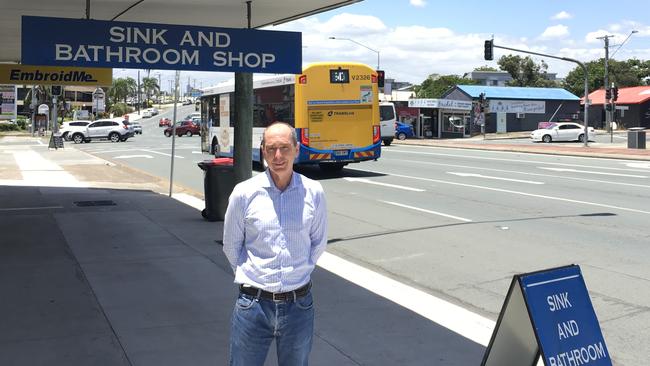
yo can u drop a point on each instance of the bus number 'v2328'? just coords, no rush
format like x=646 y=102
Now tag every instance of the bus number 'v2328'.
x=333 y=106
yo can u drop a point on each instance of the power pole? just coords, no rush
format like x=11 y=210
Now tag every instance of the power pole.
x=607 y=105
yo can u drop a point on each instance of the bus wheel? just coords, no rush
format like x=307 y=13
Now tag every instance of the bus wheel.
x=331 y=167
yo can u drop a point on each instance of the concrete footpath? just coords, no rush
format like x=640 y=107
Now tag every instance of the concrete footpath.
x=99 y=267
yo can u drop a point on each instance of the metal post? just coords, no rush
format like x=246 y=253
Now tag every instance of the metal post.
x=608 y=115
x=33 y=105
x=55 y=124
x=171 y=170
x=242 y=154
x=138 y=93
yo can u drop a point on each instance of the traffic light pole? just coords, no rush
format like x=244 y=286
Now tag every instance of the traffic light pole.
x=584 y=69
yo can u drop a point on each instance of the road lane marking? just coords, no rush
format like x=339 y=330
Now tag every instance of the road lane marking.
x=368 y=181
x=591 y=172
x=133 y=156
x=453 y=317
x=524 y=173
x=427 y=211
x=473 y=157
x=508 y=191
x=161 y=153
x=496 y=178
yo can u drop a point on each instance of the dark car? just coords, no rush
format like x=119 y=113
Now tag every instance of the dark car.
x=184 y=128
x=403 y=130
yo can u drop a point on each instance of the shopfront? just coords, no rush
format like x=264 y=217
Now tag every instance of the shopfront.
x=442 y=118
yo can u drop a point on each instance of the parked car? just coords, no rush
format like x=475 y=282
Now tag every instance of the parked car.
x=562 y=131
x=192 y=115
x=68 y=128
x=147 y=113
x=184 y=128
x=403 y=131
x=187 y=102
x=137 y=128
x=112 y=130
x=154 y=111
x=164 y=122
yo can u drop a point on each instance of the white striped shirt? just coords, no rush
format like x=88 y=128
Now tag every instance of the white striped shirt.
x=273 y=238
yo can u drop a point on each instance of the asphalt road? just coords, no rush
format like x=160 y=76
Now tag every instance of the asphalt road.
x=459 y=224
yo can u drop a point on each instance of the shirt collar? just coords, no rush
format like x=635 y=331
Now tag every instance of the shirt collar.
x=268 y=182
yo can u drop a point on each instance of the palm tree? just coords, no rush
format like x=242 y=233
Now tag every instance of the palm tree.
x=122 y=88
x=150 y=86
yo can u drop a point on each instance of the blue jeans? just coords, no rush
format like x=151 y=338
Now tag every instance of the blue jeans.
x=257 y=321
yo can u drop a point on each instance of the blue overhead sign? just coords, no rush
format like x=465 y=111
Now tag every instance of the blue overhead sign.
x=563 y=317
x=97 y=43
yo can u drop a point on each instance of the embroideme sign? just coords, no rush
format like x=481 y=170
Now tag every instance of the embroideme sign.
x=52 y=75
x=96 y=43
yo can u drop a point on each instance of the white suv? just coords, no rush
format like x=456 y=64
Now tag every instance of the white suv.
x=69 y=128
x=112 y=130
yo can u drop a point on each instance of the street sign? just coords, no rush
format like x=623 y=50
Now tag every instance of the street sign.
x=8 y=105
x=548 y=313
x=99 y=105
x=50 y=75
x=98 y=43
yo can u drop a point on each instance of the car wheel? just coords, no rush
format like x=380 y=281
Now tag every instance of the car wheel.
x=388 y=142
x=114 y=137
x=581 y=138
x=168 y=134
x=401 y=136
x=188 y=133
x=78 y=138
x=547 y=138
x=65 y=136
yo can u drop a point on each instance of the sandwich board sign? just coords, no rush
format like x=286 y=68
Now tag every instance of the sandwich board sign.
x=549 y=314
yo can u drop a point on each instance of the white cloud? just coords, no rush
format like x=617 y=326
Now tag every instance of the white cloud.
x=418 y=3
x=562 y=15
x=555 y=31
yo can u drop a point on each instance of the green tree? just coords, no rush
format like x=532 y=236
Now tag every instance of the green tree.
x=150 y=86
x=436 y=85
x=525 y=72
x=121 y=89
x=485 y=68
x=627 y=73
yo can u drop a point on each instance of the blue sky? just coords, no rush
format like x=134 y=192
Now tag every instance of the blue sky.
x=416 y=38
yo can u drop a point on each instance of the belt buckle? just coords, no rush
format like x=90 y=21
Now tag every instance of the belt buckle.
x=280 y=295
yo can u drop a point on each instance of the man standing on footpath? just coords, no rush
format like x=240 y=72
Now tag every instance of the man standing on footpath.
x=275 y=230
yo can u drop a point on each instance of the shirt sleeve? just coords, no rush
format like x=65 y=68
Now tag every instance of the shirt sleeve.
x=318 y=234
x=234 y=232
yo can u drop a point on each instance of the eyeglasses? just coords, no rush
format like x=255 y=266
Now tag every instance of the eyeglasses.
x=271 y=150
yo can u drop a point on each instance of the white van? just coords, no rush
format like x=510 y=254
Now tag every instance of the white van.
x=387 y=121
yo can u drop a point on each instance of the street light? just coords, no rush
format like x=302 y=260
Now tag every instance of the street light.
x=360 y=44
x=621 y=45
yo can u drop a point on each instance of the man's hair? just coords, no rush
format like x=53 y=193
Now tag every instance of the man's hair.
x=294 y=137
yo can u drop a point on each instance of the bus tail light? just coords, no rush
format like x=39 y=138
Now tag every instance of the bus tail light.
x=302 y=79
x=376 y=135
x=373 y=78
x=304 y=136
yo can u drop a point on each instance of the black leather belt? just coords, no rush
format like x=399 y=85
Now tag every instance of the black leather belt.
x=276 y=296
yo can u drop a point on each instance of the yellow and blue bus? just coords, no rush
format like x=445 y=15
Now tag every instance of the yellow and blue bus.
x=333 y=106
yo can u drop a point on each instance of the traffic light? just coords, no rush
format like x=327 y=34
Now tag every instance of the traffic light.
x=614 y=93
x=608 y=94
x=488 y=50
x=380 y=78
x=56 y=90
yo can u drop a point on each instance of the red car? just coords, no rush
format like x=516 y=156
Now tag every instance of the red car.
x=184 y=128
x=165 y=122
